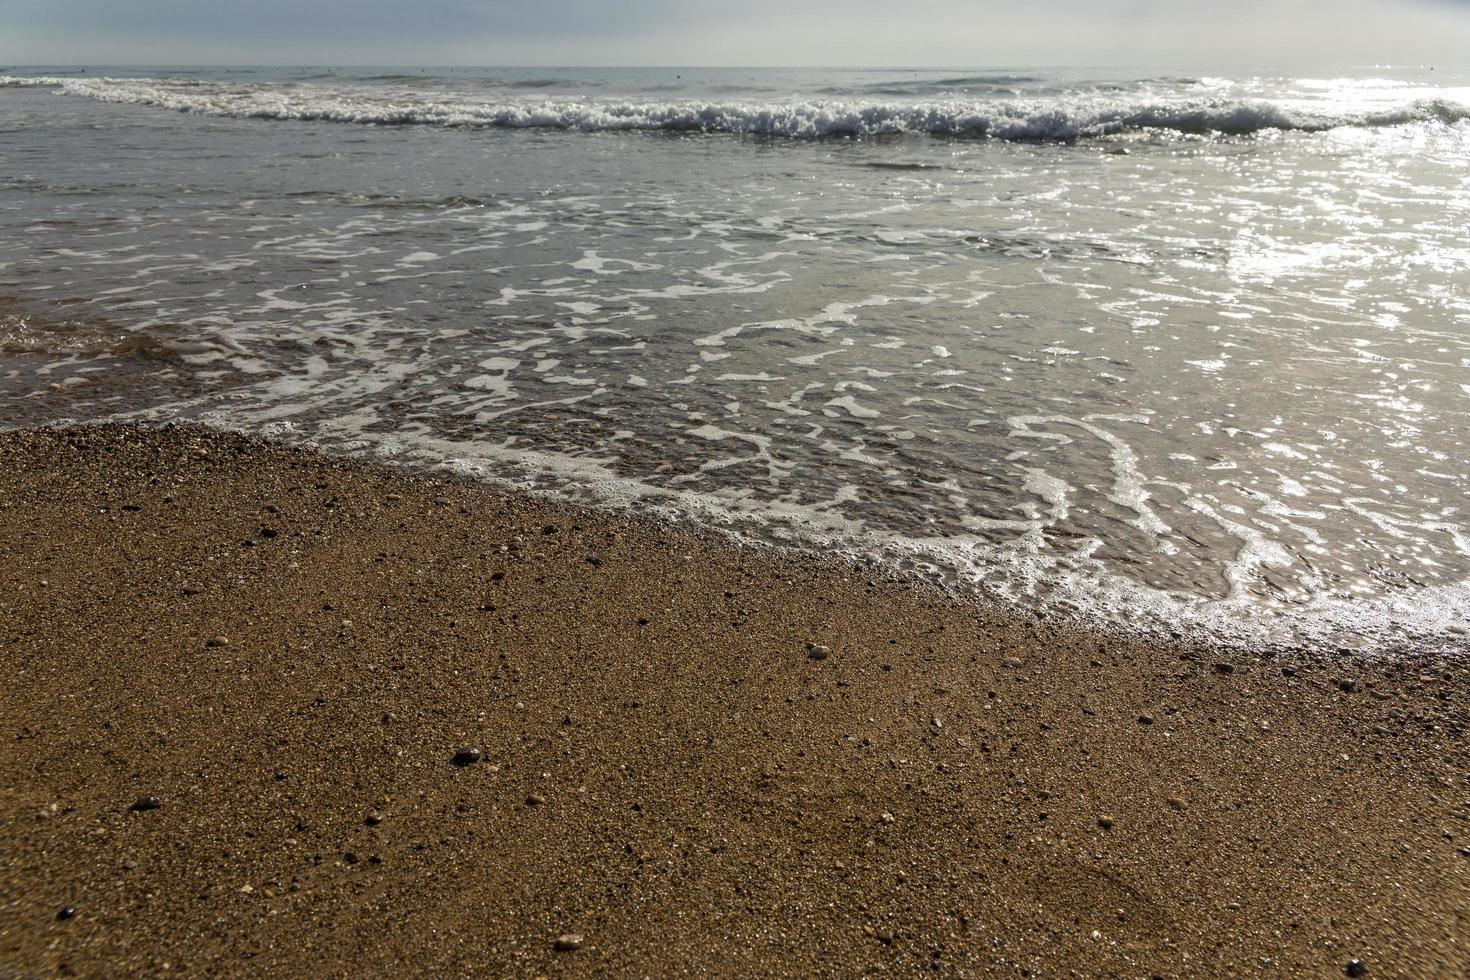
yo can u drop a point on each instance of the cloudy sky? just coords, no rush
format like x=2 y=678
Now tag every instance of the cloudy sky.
x=1197 y=33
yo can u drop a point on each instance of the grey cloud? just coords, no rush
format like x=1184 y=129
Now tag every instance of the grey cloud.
x=332 y=21
x=744 y=32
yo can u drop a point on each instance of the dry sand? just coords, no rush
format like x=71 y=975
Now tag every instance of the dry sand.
x=285 y=653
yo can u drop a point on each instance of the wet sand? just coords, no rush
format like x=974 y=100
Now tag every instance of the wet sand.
x=237 y=677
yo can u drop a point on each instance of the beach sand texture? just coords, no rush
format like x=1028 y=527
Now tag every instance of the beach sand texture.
x=285 y=653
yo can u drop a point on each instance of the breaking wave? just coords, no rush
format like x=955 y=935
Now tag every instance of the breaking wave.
x=1057 y=120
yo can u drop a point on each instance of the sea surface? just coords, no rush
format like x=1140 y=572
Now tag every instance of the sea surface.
x=1166 y=351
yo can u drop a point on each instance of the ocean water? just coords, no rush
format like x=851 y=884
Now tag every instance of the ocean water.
x=1167 y=352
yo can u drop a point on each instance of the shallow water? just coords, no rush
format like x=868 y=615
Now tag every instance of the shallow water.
x=941 y=319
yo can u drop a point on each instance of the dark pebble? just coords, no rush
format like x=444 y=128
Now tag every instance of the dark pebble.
x=535 y=799
x=1356 y=968
x=146 y=803
x=373 y=819
x=267 y=532
x=1145 y=719
x=568 y=942
x=466 y=756
x=1223 y=668
x=350 y=857
x=66 y=913
x=594 y=561
x=1347 y=685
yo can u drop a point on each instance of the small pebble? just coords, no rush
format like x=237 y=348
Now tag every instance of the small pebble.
x=146 y=803
x=466 y=756
x=1348 y=685
x=568 y=942
x=1224 y=668
x=1012 y=661
x=535 y=799
x=594 y=561
x=1356 y=968
x=816 y=651
x=1176 y=802
x=1145 y=719
x=217 y=641
x=373 y=819
x=66 y=913
x=1105 y=822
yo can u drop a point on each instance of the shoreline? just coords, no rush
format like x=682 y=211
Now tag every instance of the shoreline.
x=287 y=650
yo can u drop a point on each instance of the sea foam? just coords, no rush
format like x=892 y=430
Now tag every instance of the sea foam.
x=1063 y=119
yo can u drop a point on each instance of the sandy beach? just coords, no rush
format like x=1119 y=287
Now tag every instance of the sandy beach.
x=270 y=713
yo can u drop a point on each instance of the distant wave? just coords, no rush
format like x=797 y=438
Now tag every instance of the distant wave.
x=1037 y=120
x=544 y=83
x=992 y=83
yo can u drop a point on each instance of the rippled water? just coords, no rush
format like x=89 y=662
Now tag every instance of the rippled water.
x=1163 y=350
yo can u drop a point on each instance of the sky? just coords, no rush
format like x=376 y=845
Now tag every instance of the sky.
x=876 y=33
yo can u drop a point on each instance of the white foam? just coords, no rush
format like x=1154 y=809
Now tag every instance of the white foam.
x=850 y=404
x=1066 y=118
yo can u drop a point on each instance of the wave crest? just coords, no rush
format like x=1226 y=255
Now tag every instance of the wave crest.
x=1037 y=121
